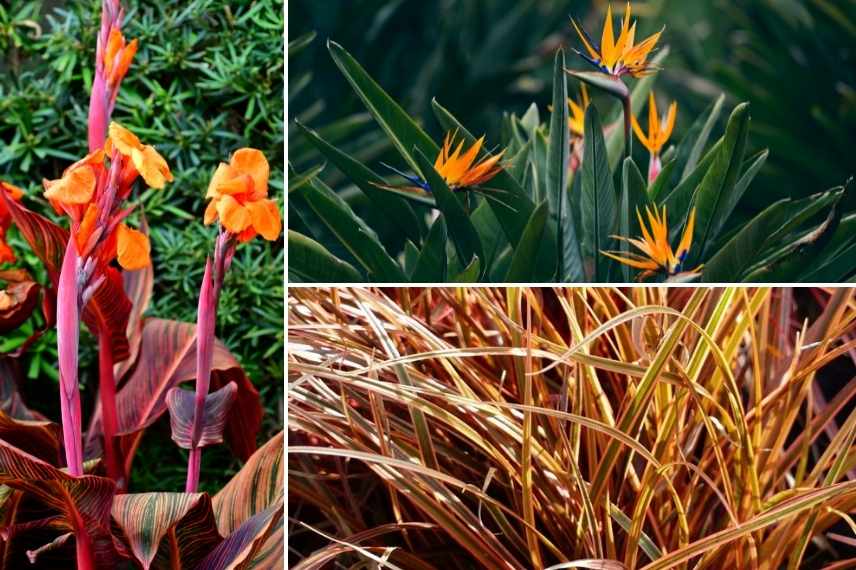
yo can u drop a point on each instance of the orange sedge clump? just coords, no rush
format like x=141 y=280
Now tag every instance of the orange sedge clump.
x=118 y=56
x=238 y=192
x=15 y=193
x=78 y=194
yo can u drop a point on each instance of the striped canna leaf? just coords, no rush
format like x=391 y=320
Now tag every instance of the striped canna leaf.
x=181 y=405
x=81 y=506
x=247 y=547
x=167 y=530
x=256 y=487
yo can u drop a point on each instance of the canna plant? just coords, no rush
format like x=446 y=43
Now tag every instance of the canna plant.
x=562 y=197
x=65 y=498
x=588 y=427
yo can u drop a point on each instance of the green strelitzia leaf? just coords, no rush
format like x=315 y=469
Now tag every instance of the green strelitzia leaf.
x=704 y=130
x=598 y=203
x=352 y=232
x=573 y=270
x=731 y=262
x=296 y=45
x=302 y=178
x=470 y=273
x=659 y=184
x=732 y=198
x=490 y=233
x=634 y=197
x=522 y=267
x=310 y=262
x=403 y=131
x=394 y=208
x=713 y=194
x=432 y=263
x=558 y=149
x=463 y=233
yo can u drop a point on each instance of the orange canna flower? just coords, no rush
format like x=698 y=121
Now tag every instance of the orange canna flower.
x=90 y=193
x=238 y=192
x=118 y=56
x=144 y=158
x=12 y=191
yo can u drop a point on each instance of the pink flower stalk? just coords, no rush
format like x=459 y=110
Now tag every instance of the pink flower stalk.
x=68 y=331
x=206 y=318
x=112 y=59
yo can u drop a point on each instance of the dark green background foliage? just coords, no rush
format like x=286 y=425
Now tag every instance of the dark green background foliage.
x=207 y=79
x=792 y=60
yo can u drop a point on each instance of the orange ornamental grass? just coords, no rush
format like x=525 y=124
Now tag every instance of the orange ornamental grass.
x=238 y=192
x=89 y=193
x=6 y=253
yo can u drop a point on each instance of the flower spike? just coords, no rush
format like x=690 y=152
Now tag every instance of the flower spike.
x=657 y=254
x=618 y=56
x=659 y=131
x=458 y=168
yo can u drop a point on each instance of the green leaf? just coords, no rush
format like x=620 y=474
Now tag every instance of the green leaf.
x=297 y=181
x=732 y=261
x=463 y=233
x=732 y=198
x=490 y=233
x=403 y=131
x=558 y=149
x=431 y=265
x=296 y=45
x=598 y=206
x=680 y=198
x=839 y=257
x=704 y=133
x=523 y=261
x=573 y=270
x=713 y=194
x=352 y=232
x=470 y=274
x=311 y=262
x=394 y=208
x=634 y=196
x=790 y=262
x=656 y=188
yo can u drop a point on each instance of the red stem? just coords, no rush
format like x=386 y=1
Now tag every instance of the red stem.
x=109 y=418
x=68 y=331
x=205 y=319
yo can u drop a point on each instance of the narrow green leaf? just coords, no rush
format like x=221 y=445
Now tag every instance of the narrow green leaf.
x=598 y=206
x=299 y=180
x=731 y=200
x=558 y=149
x=656 y=188
x=731 y=262
x=394 y=208
x=432 y=263
x=464 y=235
x=634 y=196
x=572 y=258
x=311 y=262
x=296 y=45
x=403 y=131
x=713 y=193
x=470 y=274
x=523 y=261
x=704 y=134
x=353 y=233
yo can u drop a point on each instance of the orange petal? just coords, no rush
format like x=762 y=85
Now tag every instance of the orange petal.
x=266 y=218
x=233 y=215
x=85 y=229
x=124 y=63
x=6 y=253
x=75 y=187
x=223 y=174
x=132 y=248
x=151 y=166
x=251 y=161
x=123 y=139
x=210 y=212
x=115 y=41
